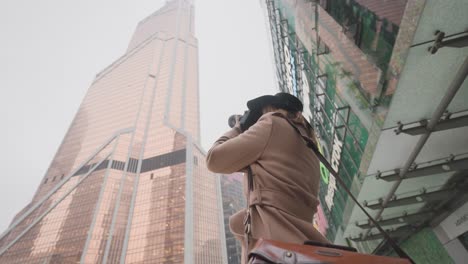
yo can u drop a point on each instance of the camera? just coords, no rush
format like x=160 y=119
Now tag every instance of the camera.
x=248 y=119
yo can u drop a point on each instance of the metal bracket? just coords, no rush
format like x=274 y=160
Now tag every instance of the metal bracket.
x=439 y=42
x=399 y=128
x=322 y=75
x=445 y=122
x=378 y=176
x=343 y=108
x=326 y=51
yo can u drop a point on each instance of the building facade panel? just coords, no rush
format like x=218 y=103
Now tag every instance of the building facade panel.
x=208 y=232
x=233 y=201
x=375 y=91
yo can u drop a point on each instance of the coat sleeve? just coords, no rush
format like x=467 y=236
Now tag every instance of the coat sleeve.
x=234 y=151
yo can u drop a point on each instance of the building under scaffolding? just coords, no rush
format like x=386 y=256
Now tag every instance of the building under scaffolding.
x=384 y=82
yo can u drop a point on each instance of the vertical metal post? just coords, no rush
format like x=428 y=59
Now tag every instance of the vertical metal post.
x=98 y=204
x=189 y=205
x=173 y=63
x=140 y=160
x=221 y=218
x=124 y=174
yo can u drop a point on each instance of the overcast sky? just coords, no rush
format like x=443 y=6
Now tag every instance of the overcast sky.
x=50 y=51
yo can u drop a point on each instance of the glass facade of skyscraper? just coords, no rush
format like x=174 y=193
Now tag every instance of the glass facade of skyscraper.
x=377 y=78
x=323 y=56
x=128 y=183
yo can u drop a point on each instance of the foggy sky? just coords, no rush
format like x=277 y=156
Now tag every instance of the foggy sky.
x=50 y=51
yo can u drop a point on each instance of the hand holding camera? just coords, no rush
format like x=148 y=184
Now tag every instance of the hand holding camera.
x=284 y=101
x=245 y=121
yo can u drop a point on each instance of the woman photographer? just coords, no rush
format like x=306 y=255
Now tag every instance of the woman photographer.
x=284 y=182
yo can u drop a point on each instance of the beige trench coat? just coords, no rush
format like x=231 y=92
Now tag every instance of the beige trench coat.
x=286 y=179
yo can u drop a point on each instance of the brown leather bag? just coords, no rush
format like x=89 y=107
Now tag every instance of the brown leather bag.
x=275 y=252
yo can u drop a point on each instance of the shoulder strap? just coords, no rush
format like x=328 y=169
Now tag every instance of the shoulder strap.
x=248 y=211
x=310 y=143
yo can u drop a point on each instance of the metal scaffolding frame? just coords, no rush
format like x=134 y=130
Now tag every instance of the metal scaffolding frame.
x=447 y=123
x=452 y=163
x=403 y=218
x=440 y=120
x=453 y=88
x=281 y=33
x=393 y=232
x=419 y=196
x=273 y=12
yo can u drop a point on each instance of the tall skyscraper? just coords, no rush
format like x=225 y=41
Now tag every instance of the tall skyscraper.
x=129 y=182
